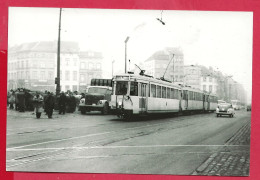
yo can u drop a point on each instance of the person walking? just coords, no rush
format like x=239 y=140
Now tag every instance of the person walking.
x=62 y=103
x=11 y=99
x=38 y=103
x=21 y=99
x=49 y=104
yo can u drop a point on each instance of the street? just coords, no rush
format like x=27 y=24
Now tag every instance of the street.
x=94 y=143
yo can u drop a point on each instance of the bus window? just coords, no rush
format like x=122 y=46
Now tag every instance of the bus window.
x=121 y=87
x=159 y=91
x=153 y=90
x=134 y=89
x=163 y=92
x=168 y=93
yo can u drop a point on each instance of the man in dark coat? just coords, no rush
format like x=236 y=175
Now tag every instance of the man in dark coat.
x=21 y=99
x=62 y=103
x=49 y=104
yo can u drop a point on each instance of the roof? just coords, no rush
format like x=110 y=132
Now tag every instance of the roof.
x=46 y=46
x=165 y=54
x=90 y=54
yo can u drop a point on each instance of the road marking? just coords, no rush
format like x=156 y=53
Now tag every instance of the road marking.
x=113 y=147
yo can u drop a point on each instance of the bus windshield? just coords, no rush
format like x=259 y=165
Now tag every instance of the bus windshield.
x=97 y=90
x=121 y=87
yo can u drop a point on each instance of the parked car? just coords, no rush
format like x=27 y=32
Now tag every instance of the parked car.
x=225 y=109
x=248 y=107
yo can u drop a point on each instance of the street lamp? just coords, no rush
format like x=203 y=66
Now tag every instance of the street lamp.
x=127 y=38
x=113 y=68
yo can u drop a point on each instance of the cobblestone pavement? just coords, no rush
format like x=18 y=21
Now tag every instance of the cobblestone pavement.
x=231 y=160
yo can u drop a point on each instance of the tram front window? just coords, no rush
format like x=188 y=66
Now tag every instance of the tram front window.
x=121 y=87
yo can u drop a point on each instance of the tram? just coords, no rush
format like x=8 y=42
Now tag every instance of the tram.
x=142 y=94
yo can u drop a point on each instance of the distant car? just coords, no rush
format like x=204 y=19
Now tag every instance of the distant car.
x=225 y=109
x=248 y=107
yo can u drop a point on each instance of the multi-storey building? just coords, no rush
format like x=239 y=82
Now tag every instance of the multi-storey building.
x=34 y=66
x=168 y=63
x=192 y=76
x=90 y=67
x=31 y=65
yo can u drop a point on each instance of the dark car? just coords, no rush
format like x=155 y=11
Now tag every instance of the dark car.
x=248 y=107
x=97 y=98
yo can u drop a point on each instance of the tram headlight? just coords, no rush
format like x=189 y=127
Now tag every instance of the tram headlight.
x=120 y=103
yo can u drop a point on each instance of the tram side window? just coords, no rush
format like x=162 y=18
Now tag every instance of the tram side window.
x=158 y=88
x=168 y=93
x=121 y=87
x=163 y=92
x=172 y=94
x=134 y=89
x=153 y=90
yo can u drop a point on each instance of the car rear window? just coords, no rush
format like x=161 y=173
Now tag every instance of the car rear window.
x=225 y=106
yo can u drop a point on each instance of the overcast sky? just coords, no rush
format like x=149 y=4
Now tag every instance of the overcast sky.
x=222 y=40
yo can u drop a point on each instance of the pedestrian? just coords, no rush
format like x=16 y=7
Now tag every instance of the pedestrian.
x=49 y=104
x=62 y=103
x=21 y=99
x=38 y=104
x=11 y=99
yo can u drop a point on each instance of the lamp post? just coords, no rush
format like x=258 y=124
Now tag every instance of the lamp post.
x=113 y=68
x=57 y=80
x=126 y=40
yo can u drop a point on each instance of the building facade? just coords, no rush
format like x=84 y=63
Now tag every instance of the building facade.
x=167 y=63
x=192 y=76
x=90 y=67
x=34 y=66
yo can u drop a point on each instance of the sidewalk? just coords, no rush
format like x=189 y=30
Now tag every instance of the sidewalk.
x=231 y=160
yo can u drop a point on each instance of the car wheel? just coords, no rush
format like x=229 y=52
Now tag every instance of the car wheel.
x=83 y=111
x=217 y=115
x=105 y=109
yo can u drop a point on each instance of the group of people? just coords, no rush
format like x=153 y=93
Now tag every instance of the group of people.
x=42 y=102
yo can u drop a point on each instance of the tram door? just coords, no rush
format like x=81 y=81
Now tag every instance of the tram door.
x=142 y=100
x=186 y=95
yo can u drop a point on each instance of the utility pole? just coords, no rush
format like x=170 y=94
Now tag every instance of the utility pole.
x=57 y=80
x=127 y=38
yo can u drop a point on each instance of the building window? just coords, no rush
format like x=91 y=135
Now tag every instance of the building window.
x=90 y=66
x=210 y=79
x=35 y=75
x=75 y=78
x=34 y=64
x=83 y=65
x=50 y=75
x=210 y=88
x=67 y=61
x=42 y=75
x=42 y=65
x=67 y=87
x=204 y=79
x=98 y=66
x=74 y=88
x=82 y=78
x=91 y=54
x=27 y=75
x=67 y=75
x=75 y=61
x=89 y=78
x=204 y=87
